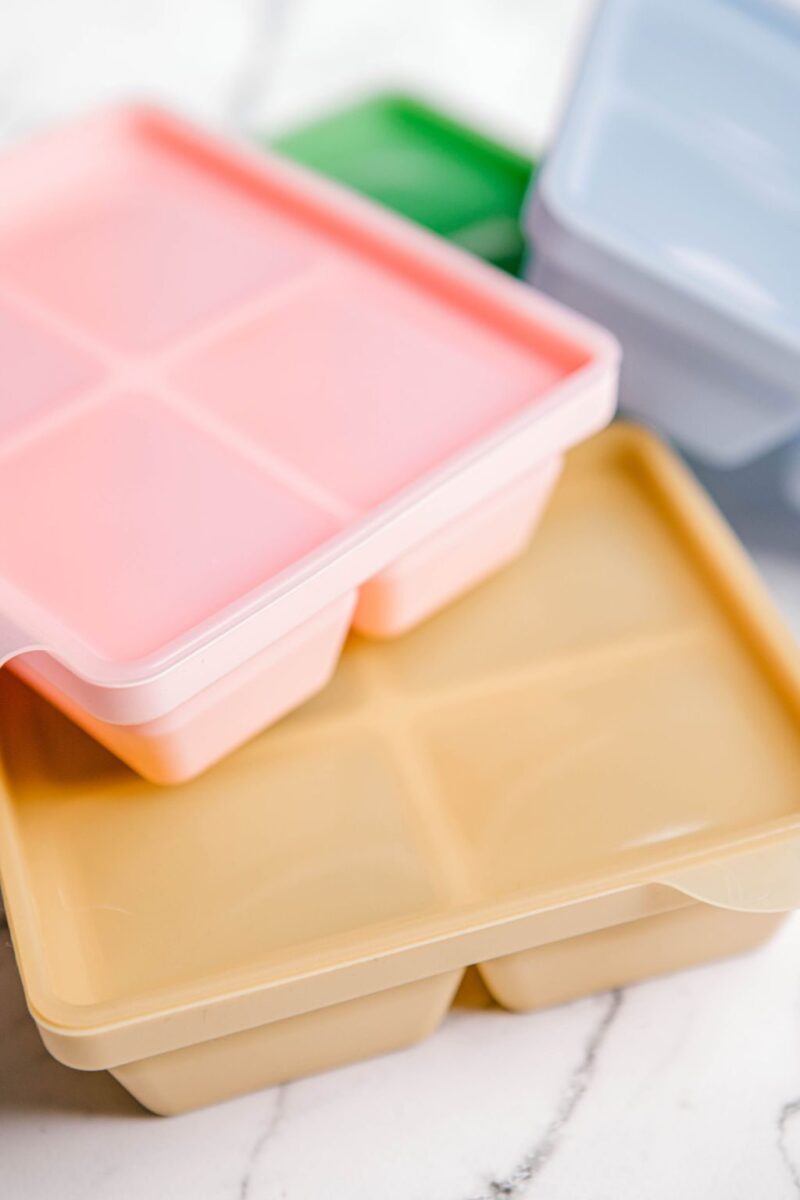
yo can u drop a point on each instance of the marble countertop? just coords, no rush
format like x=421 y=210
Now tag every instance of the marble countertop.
x=687 y=1086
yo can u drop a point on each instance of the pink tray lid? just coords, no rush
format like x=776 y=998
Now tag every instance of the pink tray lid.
x=234 y=392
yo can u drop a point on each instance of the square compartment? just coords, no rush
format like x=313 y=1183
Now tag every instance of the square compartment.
x=391 y=390
x=145 y=248
x=146 y=527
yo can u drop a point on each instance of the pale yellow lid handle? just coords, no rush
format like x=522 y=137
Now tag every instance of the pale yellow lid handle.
x=762 y=880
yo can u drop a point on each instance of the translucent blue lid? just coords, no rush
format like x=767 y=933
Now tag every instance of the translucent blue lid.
x=680 y=154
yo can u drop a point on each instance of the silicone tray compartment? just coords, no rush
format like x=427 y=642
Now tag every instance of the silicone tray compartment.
x=426 y=165
x=240 y=400
x=670 y=204
x=183 y=743
x=585 y=772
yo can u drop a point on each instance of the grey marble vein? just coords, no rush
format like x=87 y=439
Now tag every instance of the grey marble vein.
x=276 y=1115
x=789 y=1111
x=532 y=1164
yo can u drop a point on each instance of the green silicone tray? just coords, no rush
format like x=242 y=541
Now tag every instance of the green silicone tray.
x=428 y=167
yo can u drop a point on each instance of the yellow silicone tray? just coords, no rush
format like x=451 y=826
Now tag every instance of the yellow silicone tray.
x=585 y=772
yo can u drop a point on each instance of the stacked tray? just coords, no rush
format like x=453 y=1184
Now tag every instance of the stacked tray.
x=247 y=410
x=669 y=208
x=584 y=772
x=426 y=165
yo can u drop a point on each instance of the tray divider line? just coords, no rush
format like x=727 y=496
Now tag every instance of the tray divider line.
x=449 y=847
x=69 y=331
x=625 y=650
x=393 y=722
x=273 y=465
x=144 y=363
x=52 y=420
x=262 y=305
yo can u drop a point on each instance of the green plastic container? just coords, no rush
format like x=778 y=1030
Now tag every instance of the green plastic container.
x=426 y=166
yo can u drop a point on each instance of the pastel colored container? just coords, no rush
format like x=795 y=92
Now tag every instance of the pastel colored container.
x=670 y=208
x=427 y=166
x=242 y=410
x=585 y=772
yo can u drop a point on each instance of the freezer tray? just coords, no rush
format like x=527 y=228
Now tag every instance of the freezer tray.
x=426 y=165
x=241 y=409
x=585 y=772
x=670 y=207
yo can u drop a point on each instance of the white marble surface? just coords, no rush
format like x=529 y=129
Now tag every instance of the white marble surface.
x=684 y=1087
x=251 y=63
x=687 y=1087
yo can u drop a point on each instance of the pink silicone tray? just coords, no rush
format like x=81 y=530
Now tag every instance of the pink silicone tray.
x=235 y=395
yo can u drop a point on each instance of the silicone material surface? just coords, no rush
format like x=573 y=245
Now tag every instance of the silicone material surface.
x=670 y=204
x=237 y=396
x=605 y=735
x=426 y=165
x=183 y=743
